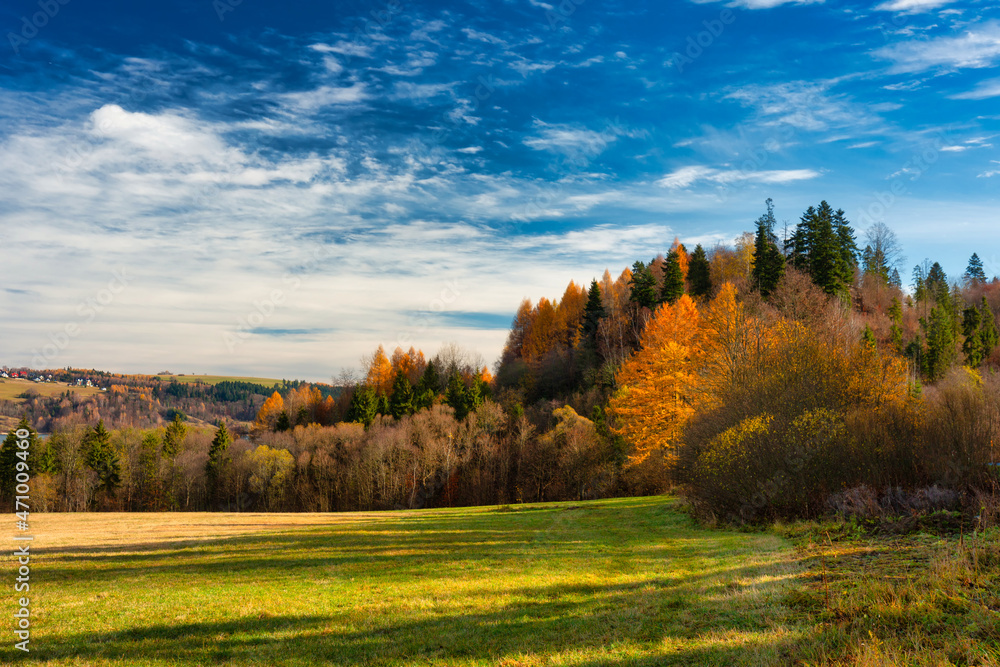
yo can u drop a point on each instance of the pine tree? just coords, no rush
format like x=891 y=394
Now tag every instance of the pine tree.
x=823 y=245
x=173 y=437
x=936 y=284
x=642 y=287
x=974 y=274
x=364 y=405
x=592 y=314
x=455 y=396
x=940 y=343
x=848 y=247
x=283 y=423
x=700 y=274
x=430 y=380
x=768 y=262
x=218 y=460
x=101 y=457
x=868 y=337
x=401 y=402
x=673 y=279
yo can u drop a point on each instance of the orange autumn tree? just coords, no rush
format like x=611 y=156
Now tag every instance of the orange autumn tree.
x=269 y=412
x=682 y=257
x=654 y=400
x=379 y=374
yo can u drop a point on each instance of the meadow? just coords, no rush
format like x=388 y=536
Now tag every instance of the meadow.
x=612 y=582
x=12 y=388
x=216 y=379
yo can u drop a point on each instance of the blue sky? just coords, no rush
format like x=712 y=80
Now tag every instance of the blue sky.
x=275 y=188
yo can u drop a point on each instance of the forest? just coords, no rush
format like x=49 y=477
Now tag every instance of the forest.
x=769 y=378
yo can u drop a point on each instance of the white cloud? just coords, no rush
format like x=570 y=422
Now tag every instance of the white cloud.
x=977 y=48
x=325 y=96
x=763 y=4
x=568 y=140
x=806 y=105
x=345 y=48
x=687 y=176
x=483 y=37
x=983 y=90
x=912 y=6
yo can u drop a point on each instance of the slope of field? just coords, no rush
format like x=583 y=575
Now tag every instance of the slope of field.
x=614 y=582
x=12 y=388
x=216 y=379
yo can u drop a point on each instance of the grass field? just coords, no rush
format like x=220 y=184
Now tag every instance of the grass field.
x=216 y=379
x=612 y=582
x=11 y=388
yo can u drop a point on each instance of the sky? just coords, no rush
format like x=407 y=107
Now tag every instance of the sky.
x=260 y=188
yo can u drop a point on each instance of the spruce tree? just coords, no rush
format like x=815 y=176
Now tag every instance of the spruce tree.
x=173 y=437
x=699 y=273
x=455 y=396
x=768 y=262
x=974 y=274
x=401 y=402
x=642 y=286
x=673 y=279
x=101 y=457
x=364 y=405
x=592 y=314
x=218 y=460
x=940 y=343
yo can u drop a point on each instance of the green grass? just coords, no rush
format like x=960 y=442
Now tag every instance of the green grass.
x=614 y=582
x=603 y=583
x=216 y=379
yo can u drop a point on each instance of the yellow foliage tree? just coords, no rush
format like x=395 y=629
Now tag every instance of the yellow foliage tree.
x=655 y=396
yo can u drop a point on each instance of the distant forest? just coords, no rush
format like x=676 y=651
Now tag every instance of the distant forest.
x=774 y=377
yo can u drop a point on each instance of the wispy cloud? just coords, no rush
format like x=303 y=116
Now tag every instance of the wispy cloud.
x=983 y=90
x=688 y=176
x=912 y=6
x=978 y=47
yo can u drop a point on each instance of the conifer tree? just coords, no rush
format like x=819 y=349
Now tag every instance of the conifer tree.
x=173 y=437
x=673 y=279
x=592 y=314
x=218 y=460
x=768 y=262
x=700 y=274
x=401 y=402
x=101 y=457
x=455 y=396
x=642 y=287
x=364 y=405
x=974 y=274
x=940 y=343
